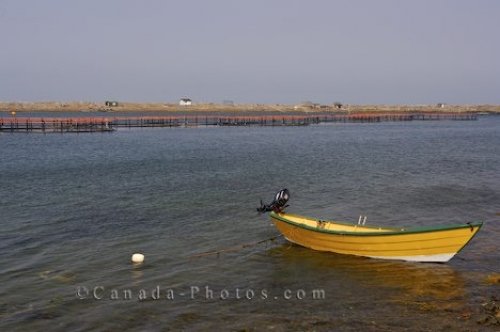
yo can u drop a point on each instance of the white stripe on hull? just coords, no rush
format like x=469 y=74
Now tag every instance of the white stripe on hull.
x=442 y=258
x=437 y=258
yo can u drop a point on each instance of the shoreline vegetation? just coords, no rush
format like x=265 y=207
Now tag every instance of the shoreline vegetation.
x=306 y=107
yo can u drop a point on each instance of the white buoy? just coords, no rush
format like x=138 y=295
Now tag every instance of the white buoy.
x=137 y=258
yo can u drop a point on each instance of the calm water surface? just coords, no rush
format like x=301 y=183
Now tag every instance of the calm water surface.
x=74 y=207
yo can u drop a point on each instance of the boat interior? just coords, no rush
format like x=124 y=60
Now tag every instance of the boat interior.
x=335 y=226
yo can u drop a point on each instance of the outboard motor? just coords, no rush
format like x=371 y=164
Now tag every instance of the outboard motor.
x=278 y=204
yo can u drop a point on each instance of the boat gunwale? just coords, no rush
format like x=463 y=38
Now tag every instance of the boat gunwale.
x=391 y=230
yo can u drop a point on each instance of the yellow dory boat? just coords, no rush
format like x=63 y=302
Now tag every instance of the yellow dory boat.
x=418 y=244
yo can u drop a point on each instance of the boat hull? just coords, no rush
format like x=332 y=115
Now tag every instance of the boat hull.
x=437 y=244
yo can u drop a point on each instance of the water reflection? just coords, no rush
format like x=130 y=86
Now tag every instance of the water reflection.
x=429 y=286
x=137 y=275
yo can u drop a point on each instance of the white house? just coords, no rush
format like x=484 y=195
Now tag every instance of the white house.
x=185 y=102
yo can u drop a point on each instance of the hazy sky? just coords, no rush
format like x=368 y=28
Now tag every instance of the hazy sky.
x=255 y=51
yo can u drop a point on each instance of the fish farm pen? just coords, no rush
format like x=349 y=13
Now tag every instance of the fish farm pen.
x=108 y=124
x=61 y=125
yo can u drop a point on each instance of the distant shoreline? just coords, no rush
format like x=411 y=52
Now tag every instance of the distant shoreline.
x=238 y=108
